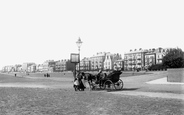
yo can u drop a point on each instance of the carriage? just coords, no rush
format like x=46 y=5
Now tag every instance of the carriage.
x=110 y=81
x=101 y=80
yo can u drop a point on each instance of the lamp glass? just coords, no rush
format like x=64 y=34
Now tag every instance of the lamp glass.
x=79 y=42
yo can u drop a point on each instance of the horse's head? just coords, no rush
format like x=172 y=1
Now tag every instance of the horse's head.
x=89 y=76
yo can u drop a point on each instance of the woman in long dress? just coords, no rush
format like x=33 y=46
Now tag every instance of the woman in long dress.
x=79 y=82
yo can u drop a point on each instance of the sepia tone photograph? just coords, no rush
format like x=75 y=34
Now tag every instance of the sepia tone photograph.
x=91 y=57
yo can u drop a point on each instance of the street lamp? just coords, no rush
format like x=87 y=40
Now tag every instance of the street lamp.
x=79 y=43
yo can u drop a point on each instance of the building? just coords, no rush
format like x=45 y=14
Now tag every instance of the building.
x=155 y=56
x=60 y=65
x=49 y=66
x=141 y=59
x=39 y=67
x=9 y=68
x=134 y=59
x=150 y=58
x=31 y=68
x=110 y=60
x=17 y=67
x=64 y=65
x=85 y=64
x=160 y=53
x=25 y=66
x=97 y=61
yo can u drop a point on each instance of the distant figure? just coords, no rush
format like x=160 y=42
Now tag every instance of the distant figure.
x=15 y=75
x=48 y=75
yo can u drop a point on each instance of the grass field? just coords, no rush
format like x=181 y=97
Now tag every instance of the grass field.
x=65 y=101
x=70 y=74
x=36 y=101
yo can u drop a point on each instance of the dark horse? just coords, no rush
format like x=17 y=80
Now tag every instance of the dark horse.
x=91 y=78
x=95 y=79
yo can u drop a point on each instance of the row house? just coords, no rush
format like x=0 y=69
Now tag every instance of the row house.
x=26 y=66
x=85 y=64
x=60 y=65
x=64 y=65
x=97 y=61
x=110 y=59
x=134 y=59
x=160 y=53
x=31 y=68
x=155 y=56
x=102 y=60
x=141 y=59
x=9 y=68
x=49 y=66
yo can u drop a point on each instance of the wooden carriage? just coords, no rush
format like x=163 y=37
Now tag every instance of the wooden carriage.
x=112 y=81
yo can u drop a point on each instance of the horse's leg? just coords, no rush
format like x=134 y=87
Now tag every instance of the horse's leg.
x=89 y=85
x=100 y=84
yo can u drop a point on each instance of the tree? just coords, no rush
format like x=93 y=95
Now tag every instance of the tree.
x=174 y=58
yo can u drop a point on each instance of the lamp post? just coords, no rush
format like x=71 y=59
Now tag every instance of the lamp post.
x=79 y=43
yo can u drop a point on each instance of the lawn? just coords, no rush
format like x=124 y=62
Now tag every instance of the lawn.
x=65 y=101
x=37 y=101
x=70 y=74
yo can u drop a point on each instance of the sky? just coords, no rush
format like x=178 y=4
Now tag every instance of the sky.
x=40 y=30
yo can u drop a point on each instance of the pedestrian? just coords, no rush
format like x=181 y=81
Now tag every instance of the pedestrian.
x=83 y=79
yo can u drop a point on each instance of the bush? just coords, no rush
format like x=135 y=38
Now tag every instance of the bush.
x=157 y=67
x=174 y=58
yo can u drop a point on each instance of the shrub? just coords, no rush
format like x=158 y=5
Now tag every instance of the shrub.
x=157 y=67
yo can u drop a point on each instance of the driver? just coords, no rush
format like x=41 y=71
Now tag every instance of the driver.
x=100 y=75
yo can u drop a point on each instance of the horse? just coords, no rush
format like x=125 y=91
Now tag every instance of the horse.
x=91 y=79
x=95 y=79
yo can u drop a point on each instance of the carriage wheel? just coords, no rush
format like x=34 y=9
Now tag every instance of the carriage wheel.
x=109 y=85
x=119 y=84
x=101 y=84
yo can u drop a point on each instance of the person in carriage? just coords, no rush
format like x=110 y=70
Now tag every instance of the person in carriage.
x=100 y=76
x=79 y=82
